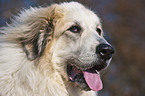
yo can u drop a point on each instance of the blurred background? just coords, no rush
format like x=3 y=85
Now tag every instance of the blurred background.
x=124 y=23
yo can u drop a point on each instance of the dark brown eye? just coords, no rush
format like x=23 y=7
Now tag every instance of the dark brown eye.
x=99 y=31
x=75 y=29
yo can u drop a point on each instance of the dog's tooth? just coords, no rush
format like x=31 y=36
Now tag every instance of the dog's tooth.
x=46 y=22
x=41 y=30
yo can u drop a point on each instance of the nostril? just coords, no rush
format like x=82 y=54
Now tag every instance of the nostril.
x=105 y=51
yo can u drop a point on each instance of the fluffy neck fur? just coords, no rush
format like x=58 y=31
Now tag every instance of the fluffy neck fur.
x=21 y=77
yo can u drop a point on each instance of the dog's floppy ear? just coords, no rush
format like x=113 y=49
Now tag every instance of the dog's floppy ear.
x=41 y=33
x=34 y=43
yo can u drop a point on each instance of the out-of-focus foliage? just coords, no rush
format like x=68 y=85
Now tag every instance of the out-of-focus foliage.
x=123 y=21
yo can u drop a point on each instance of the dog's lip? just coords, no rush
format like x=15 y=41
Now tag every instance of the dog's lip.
x=91 y=77
x=79 y=64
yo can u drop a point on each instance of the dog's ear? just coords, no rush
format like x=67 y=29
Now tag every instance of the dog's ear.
x=34 y=41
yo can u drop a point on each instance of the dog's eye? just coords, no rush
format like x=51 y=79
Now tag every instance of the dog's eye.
x=75 y=29
x=99 y=31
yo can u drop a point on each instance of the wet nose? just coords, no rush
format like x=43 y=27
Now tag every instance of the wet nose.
x=105 y=51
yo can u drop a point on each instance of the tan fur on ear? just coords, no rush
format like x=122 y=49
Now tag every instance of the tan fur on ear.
x=43 y=34
x=34 y=30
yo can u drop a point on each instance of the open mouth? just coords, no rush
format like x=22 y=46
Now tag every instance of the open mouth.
x=85 y=79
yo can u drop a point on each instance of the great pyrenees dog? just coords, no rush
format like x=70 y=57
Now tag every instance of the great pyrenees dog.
x=53 y=51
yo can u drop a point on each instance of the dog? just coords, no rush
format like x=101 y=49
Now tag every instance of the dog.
x=57 y=50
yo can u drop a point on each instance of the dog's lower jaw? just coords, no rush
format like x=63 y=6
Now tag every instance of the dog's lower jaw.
x=78 y=92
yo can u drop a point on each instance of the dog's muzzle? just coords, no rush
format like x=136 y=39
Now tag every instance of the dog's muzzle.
x=86 y=75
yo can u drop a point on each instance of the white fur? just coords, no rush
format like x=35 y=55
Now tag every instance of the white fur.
x=20 y=76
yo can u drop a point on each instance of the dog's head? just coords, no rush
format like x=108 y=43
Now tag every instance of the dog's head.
x=73 y=38
x=82 y=47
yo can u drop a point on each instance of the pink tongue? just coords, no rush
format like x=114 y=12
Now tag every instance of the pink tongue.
x=93 y=80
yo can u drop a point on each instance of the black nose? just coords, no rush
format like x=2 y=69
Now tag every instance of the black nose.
x=105 y=51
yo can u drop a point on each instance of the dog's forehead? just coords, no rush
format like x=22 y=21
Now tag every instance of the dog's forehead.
x=77 y=12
